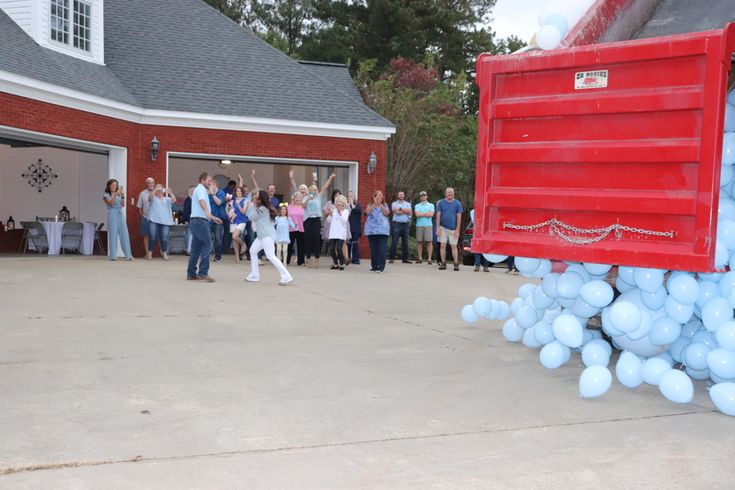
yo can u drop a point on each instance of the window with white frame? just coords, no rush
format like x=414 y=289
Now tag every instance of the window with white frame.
x=82 y=25
x=60 y=21
x=76 y=31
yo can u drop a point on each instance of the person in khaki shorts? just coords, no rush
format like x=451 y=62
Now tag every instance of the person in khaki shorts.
x=449 y=217
x=424 y=211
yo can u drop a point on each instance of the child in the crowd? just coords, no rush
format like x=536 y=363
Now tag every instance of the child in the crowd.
x=283 y=223
x=338 y=226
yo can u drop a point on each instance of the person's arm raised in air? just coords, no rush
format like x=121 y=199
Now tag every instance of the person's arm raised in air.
x=325 y=187
x=293 y=182
x=255 y=182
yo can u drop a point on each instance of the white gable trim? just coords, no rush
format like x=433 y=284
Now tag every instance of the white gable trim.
x=74 y=99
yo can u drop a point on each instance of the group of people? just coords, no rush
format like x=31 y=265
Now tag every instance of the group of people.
x=257 y=225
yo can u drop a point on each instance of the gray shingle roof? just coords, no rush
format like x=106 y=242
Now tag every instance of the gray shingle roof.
x=182 y=55
x=20 y=55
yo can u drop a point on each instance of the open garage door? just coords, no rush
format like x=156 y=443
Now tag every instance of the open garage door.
x=184 y=169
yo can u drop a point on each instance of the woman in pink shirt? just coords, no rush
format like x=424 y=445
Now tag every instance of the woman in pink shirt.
x=296 y=233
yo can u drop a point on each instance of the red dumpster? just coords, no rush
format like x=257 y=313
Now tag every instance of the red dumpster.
x=607 y=153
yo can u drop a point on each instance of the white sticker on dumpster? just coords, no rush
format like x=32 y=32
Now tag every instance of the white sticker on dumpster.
x=590 y=79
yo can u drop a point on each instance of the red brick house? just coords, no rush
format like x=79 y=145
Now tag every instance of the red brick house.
x=87 y=85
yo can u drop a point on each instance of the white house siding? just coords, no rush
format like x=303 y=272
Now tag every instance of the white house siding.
x=19 y=11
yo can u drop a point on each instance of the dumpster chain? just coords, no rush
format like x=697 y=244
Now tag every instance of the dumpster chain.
x=601 y=233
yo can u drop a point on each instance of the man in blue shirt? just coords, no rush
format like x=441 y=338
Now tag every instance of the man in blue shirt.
x=217 y=205
x=399 y=227
x=201 y=238
x=449 y=216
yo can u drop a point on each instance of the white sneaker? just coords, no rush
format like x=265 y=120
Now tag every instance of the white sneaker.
x=252 y=279
x=285 y=283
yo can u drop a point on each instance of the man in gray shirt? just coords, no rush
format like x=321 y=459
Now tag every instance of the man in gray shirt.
x=144 y=208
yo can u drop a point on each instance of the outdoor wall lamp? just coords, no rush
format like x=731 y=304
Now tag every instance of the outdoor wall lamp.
x=155 y=145
x=224 y=163
x=372 y=163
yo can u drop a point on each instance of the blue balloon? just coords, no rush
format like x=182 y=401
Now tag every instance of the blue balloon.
x=695 y=356
x=726 y=232
x=677 y=348
x=649 y=280
x=483 y=307
x=503 y=311
x=597 y=293
x=697 y=374
x=726 y=175
x=705 y=337
x=526 y=265
x=709 y=276
x=707 y=291
x=716 y=312
x=676 y=386
x=728 y=143
x=679 y=312
x=581 y=309
x=543 y=333
x=607 y=325
x=543 y=269
x=569 y=284
x=594 y=382
x=568 y=330
x=579 y=269
x=553 y=355
x=627 y=274
x=549 y=284
x=721 y=255
x=666 y=357
x=726 y=283
x=602 y=343
x=526 y=317
x=625 y=316
x=540 y=300
x=652 y=370
x=515 y=305
x=641 y=347
x=529 y=339
x=664 y=331
x=559 y=21
x=654 y=300
x=722 y=362
x=595 y=355
x=468 y=314
x=628 y=370
x=643 y=328
x=597 y=269
x=495 y=259
x=683 y=288
x=723 y=396
x=725 y=335
x=526 y=290
x=511 y=331
x=622 y=285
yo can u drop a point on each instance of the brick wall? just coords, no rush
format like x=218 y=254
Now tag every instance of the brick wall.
x=23 y=113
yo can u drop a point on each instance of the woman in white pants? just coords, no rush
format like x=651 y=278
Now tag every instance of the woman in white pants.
x=262 y=213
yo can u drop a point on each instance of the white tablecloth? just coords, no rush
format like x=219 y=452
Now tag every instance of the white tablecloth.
x=53 y=234
x=87 y=247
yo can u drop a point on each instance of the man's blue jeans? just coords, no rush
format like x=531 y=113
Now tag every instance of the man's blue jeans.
x=399 y=230
x=218 y=231
x=201 y=247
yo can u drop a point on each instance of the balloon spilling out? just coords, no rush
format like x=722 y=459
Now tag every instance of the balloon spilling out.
x=555 y=22
x=672 y=327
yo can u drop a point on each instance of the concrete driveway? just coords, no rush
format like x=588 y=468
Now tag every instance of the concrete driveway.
x=124 y=375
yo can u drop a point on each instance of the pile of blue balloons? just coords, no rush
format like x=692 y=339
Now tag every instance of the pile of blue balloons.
x=671 y=326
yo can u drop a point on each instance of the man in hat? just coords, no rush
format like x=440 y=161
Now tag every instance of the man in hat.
x=424 y=212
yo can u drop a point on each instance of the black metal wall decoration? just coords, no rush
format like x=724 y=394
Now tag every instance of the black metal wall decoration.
x=40 y=175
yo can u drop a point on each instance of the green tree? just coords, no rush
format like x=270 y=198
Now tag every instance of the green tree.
x=234 y=9
x=434 y=144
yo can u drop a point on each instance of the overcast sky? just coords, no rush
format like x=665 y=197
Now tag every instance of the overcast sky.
x=519 y=17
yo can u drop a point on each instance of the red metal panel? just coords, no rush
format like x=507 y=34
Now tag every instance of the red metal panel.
x=641 y=150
